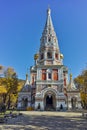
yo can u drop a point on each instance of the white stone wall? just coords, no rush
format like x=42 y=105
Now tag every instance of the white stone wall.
x=59 y=103
x=24 y=95
x=38 y=74
x=41 y=105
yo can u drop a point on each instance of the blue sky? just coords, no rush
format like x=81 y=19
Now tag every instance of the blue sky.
x=21 y=26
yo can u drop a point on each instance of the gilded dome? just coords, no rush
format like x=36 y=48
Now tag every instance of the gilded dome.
x=61 y=56
x=36 y=56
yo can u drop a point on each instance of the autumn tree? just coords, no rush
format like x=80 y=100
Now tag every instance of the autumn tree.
x=1 y=70
x=10 y=85
x=11 y=82
x=81 y=82
x=3 y=90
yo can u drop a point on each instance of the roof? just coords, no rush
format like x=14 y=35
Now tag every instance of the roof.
x=27 y=86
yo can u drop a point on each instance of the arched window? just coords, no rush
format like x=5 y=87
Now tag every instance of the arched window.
x=49 y=39
x=49 y=55
x=49 y=76
x=55 y=74
x=56 y=56
x=42 y=56
x=43 y=74
x=32 y=80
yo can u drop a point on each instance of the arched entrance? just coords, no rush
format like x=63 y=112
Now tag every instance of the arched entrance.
x=24 y=103
x=50 y=101
x=73 y=102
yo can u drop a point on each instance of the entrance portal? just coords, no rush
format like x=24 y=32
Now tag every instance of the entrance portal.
x=24 y=103
x=49 y=100
x=49 y=103
x=73 y=102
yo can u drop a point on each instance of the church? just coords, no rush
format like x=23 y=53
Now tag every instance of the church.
x=49 y=87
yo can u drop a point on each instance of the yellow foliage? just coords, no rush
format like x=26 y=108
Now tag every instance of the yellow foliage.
x=20 y=85
x=79 y=80
x=30 y=108
x=83 y=97
x=13 y=98
x=2 y=90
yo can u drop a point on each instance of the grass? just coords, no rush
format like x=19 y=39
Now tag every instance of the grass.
x=2 y=114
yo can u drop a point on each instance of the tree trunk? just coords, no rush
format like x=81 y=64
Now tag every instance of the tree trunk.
x=9 y=101
x=4 y=98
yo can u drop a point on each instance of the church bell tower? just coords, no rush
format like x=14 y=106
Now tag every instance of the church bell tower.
x=49 y=76
x=48 y=88
x=49 y=52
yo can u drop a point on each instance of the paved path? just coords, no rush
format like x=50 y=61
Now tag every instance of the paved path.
x=46 y=121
